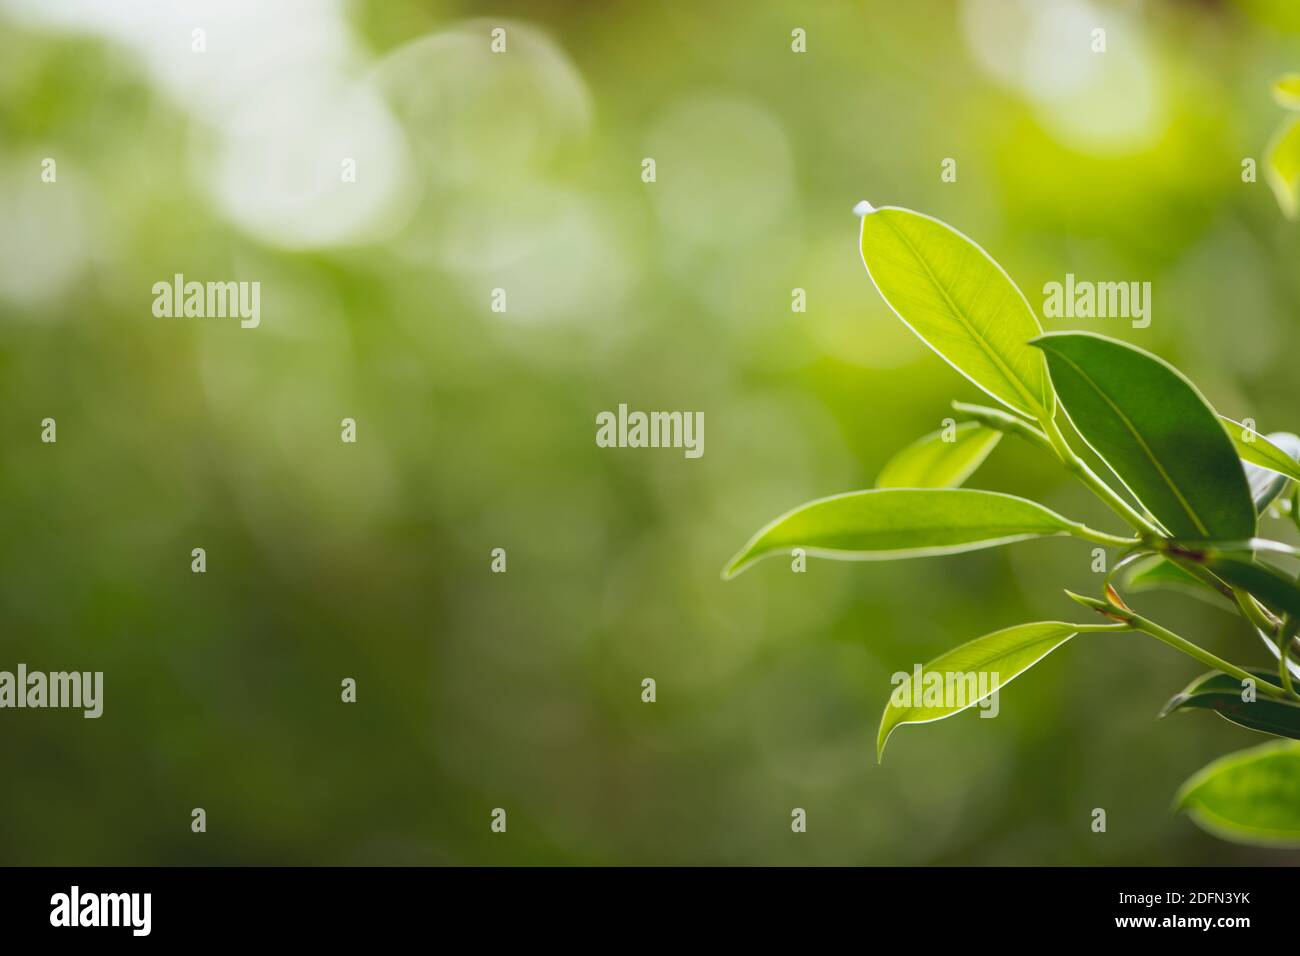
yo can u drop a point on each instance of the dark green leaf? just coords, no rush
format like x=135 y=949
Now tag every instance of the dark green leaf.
x=1156 y=432
x=1279 y=591
x=1222 y=693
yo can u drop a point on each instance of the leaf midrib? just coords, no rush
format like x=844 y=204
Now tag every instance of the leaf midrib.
x=1007 y=371
x=1137 y=436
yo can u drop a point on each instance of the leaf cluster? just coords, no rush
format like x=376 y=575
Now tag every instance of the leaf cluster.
x=1191 y=486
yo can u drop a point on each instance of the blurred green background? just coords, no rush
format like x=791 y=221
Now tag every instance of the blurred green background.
x=476 y=429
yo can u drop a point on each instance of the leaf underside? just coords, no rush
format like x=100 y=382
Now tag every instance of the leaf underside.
x=1001 y=655
x=1222 y=694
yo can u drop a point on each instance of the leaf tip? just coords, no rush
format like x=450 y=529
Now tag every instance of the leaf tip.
x=1285 y=89
x=1090 y=603
x=1043 y=341
x=1106 y=609
x=1183 y=796
x=863 y=208
x=1172 y=705
x=738 y=563
x=882 y=737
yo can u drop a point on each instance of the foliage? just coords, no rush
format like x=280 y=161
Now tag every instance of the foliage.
x=1192 y=486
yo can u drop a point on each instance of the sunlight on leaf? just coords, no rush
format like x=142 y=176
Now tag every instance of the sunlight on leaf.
x=932 y=462
x=887 y=523
x=960 y=302
x=951 y=682
x=1249 y=796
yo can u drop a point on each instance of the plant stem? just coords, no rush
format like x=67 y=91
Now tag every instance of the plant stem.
x=1079 y=468
x=1101 y=628
x=1080 y=530
x=1148 y=532
x=1199 y=653
x=1283 y=659
x=1256 y=615
x=1004 y=422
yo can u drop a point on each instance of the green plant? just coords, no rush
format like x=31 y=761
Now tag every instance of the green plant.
x=1192 y=487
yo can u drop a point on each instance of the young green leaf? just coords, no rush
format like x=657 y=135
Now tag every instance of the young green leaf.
x=1156 y=572
x=967 y=674
x=1286 y=91
x=1276 y=453
x=888 y=523
x=1293 y=665
x=1223 y=694
x=1156 y=432
x=933 y=462
x=1249 y=796
x=1265 y=484
x=1282 y=167
x=961 y=303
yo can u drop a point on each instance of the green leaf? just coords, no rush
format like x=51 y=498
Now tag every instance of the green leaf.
x=1277 y=590
x=1286 y=91
x=931 y=462
x=1156 y=432
x=1282 y=167
x=1270 y=460
x=1249 y=796
x=1004 y=423
x=1277 y=451
x=886 y=523
x=1221 y=693
x=961 y=303
x=1204 y=551
x=1270 y=585
x=954 y=679
x=1156 y=572
x=1265 y=485
x=1292 y=664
